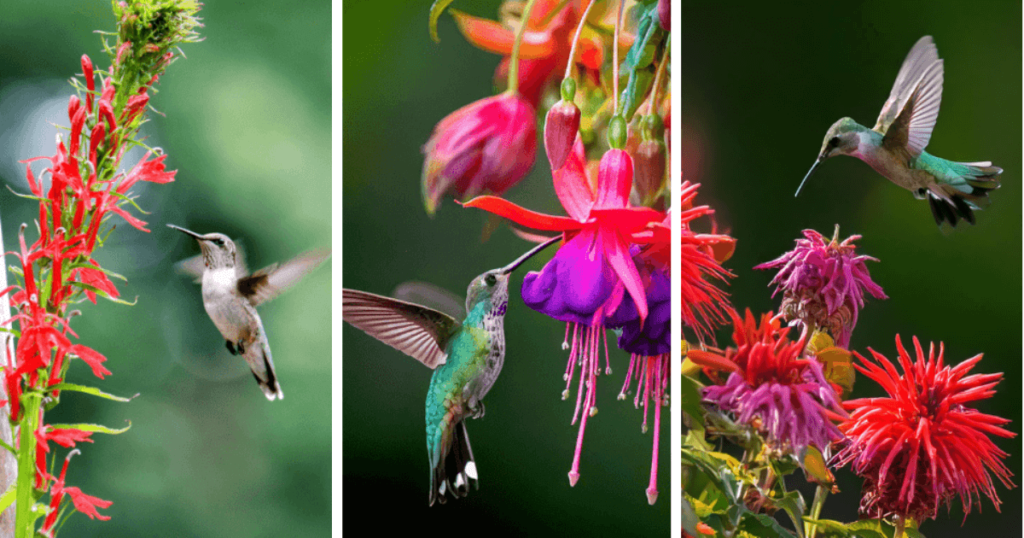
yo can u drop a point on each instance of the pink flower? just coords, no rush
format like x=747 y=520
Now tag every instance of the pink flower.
x=823 y=284
x=485 y=146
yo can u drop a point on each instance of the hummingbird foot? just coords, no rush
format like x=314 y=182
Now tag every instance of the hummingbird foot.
x=478 y=411
x=231 y=347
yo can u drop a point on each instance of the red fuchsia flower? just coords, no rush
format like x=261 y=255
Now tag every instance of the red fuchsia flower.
x=546 y=44
x=823 y=284
x=922 y=445
x=589 y=277
x=771 y=386
x=485 y=146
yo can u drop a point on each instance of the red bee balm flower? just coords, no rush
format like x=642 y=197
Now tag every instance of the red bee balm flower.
x=485 y=146
x=922 y=445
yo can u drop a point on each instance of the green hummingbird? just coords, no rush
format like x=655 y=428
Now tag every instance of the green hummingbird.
x=466 y=357
x=894 y=147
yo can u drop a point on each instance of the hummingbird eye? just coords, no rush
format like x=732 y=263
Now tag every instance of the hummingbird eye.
x=490 y=280
x=834 y=141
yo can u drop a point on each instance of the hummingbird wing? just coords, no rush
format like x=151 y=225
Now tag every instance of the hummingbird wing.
x=269 y=282
x=431 y=296
x=194 y=266
x=918 y=60
x=420 y=332
x=913 y=126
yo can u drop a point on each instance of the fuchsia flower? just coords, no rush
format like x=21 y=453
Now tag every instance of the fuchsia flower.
x=485 y=146
x=545 y=48
x=587 y=280
x=772 y=387
x=922 y=445
x=823 y=284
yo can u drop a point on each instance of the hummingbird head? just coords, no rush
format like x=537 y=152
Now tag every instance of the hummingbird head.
x=492 y=286
x=842 y=138
x=218 y=249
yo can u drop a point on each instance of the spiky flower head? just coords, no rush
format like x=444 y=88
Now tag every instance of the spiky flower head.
x=773 y=386
x=823 y=284
x=921 y=445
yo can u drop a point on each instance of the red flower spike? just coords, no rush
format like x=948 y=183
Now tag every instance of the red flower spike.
x=921 y=446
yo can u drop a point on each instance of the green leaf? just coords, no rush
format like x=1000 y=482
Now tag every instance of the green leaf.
x=763 y=526
x=103 y=294
x=793 y=503
x=91 y=428
x=8 y=497
x=89 y=390
x=435 y=13
x=689 y=517
x=690 y=402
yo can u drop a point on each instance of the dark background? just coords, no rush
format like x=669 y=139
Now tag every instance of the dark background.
x=248 y=127
x=398 y=85
x=762 y=83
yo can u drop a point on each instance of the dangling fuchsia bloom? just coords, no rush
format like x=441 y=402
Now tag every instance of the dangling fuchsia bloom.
x=772 y=387
x=486 y=146
x=922 y=445
x=590 y=275
x=823 y=284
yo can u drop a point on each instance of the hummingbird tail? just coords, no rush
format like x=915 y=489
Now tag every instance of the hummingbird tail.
x=957 y=199
x=459 y=464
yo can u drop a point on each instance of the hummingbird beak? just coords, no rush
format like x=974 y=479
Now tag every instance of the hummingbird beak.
x=809 y=172
x=512 y=266
x=187 y=232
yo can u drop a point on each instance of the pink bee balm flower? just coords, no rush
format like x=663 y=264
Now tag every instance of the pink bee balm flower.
x=773 y=387
x=485 y=146
x=922 y=445
x=823 y=284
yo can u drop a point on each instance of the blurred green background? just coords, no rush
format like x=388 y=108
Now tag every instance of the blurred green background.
x=758 y=94
x=248 y=127
x=398 y=85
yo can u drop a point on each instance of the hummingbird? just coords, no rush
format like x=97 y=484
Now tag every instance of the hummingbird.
x=231 y=295
x=466 y=357
x=894 y=147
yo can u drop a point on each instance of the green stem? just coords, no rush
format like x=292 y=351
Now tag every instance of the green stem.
x=615 y=59
x=24 y=521
x=820 y=495
x=513 y=62
x=900 y=523
x=576 y=39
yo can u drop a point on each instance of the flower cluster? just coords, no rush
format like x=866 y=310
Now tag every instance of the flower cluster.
x=84 y=192
x=918 y=447
x=608 y=161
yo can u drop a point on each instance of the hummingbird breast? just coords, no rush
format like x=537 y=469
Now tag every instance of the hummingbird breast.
x=230 y=312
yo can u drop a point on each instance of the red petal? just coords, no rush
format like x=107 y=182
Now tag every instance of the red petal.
x=493 y=37
x=522 y=216
x=627 y=220
x=614 y=179
x=571 y=184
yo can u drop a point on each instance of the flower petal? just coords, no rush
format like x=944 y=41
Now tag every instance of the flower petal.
x=522 y=216
x=493 y=37
x=572 y=186
x=622 y=263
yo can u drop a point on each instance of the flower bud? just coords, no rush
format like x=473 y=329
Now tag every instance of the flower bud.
x=650 y=162
x=560 y=128
x=665 y=14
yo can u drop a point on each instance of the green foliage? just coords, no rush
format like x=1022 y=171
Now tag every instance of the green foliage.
x=638 y=64
x=435 y=13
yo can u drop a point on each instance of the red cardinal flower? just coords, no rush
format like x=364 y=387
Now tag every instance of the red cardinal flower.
x=922 y=445
x=486 y=146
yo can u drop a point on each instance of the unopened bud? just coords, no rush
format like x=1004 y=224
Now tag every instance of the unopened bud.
x=664 y=18
x=560 y=128
x=649 y=171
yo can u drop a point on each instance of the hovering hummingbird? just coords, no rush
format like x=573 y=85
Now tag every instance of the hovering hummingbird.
x=466 y=356
x=894 y=147
x=231 y=295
